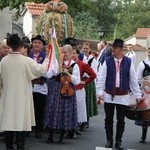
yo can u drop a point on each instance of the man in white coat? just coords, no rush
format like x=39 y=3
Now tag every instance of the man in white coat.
x=16 y=101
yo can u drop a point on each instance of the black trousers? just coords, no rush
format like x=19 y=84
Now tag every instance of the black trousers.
x=39 y=105
x=120 y=116
x=20 y=139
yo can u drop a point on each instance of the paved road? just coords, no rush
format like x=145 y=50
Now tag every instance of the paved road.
x=91 y=139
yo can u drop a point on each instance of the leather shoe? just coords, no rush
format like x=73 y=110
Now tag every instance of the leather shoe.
x=118 y=145
x=23 y=148
x=10 y=148
x=49 y=141
x=61 y=141
x=109 y=144
x=38 y=134
x=82 y=127
x=78 y=132
x=142 y=140
x=74 y=136
x=2 y=139
x=86 y=125
x=68 y=135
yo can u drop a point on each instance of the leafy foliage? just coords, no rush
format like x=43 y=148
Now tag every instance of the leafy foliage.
x=131 y=16
x=86 y=26
x=122 y=16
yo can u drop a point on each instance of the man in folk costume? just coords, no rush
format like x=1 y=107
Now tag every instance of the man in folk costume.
x=16 y=101
x=39 y=84
x=117 y=76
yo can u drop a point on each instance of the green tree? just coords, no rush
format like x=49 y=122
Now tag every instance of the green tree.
x=124 y=16
x=76 y=6
x=86 y=26
x=130 y=16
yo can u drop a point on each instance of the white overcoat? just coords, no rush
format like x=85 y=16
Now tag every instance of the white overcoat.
x=16 y=101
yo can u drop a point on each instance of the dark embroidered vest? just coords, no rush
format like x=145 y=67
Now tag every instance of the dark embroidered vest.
x=124 y=76
x=40 y=60
x=90 y=61
x=146 y=70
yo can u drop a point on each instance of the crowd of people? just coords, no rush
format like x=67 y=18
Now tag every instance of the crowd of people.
x=36 y=96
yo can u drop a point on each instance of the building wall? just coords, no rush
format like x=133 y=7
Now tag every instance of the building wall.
x=142 y=41
x=17 y=28
x=35 y=19
x=140 y=56
x=131 y=41
x=5 y=23
x=148 y=42
x=27 y=24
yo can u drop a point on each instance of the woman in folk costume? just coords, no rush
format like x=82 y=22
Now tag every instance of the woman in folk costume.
x=61 y=107
x=91 y=100
x=26 y=47
x=80 y=90
x=143 y=70
x=16 y=102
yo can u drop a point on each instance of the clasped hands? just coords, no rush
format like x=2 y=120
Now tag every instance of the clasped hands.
x=66 y=71
x=100 y=99
x=139 y=100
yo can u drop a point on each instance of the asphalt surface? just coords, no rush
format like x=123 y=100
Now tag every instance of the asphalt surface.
x=93 y=138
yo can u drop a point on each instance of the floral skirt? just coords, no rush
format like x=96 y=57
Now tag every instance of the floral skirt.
x=60 y=111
